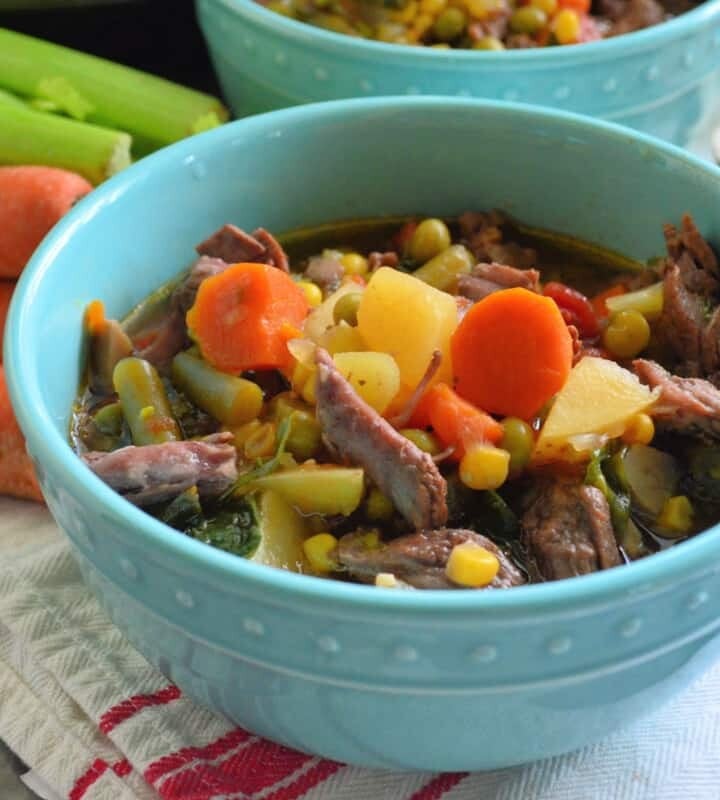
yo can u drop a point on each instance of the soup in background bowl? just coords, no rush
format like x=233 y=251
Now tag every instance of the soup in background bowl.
x=483 y=678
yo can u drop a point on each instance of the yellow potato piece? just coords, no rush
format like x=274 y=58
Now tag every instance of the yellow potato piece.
x=323 y=490
x=320 y=319
x=598 y=399
x=283 y=532
x=408 y=319
x=374 y=376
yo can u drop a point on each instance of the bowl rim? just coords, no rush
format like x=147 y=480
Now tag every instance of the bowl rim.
x=55 y=454
x=653 y=37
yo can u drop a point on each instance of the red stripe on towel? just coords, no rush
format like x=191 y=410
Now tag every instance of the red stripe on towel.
x=93 y=772
x=438 y=786
x=210 y=751
x=128 y=708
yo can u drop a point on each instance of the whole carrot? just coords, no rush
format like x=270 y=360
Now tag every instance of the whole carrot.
x=32 y=200
x=17 y=476
x=6 y=290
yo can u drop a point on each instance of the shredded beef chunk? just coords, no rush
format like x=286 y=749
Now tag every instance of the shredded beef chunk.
x=403 y=472
x=325 y=271
x=169 y=336
x=483 y=235
x=633 y=15
x=387 y=259
x=420 y=558
x=156 y=473
x=690 y=322
x=690 y=406
x=488 y=278
x=568 y=531
x=232 y=244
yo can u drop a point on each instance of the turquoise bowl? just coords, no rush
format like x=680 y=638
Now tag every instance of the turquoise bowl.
x=401 y=680
x=663 y=80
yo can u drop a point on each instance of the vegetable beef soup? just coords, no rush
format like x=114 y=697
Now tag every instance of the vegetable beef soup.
x=482 y=24
x=420 y=403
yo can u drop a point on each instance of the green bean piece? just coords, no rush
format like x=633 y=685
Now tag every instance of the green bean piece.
x=108 y=344
x=231 y=400
x=346 y=308
x=443 y=270
x=144 y=402
x=183 y=511
x=109 y=419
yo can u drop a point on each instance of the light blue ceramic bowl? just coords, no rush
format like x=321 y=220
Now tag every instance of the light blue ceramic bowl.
x=428 y=680
x=662 y=80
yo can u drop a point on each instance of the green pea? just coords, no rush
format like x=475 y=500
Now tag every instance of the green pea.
x=346 y=308
x=422 y=439
x=449 y=25
x=518 y=440
x=305 y=436
x=429 y=238
x=377 y=506
x=528 y=19
x=627 y=334
x=488 y=43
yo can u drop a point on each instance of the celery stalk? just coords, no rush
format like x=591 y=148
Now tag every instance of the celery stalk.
x=34 y=137
x=100 y=91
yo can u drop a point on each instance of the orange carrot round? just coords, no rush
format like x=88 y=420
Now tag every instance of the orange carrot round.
x=243 y=318
x=32 y=200
x=511 y=353
x=456 y=422
x=6 y=290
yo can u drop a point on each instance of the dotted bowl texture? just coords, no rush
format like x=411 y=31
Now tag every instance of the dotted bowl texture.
x=662 y=80
x=481 y=679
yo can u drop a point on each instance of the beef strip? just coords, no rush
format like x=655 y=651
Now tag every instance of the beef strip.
x=169 y=337
x=689 y=406
x=156 y=473
x=488 y=278
x=420 y=558
x=483 y=235
x=690 y=321
x=389 y=258
x=568 y=531
x=403 y=472
x=325 y=271
x=232 y=245
x=635 y=15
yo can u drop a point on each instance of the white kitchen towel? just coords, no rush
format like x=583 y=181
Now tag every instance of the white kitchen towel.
x=94 y=721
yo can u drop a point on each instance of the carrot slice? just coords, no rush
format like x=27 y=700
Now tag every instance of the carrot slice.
x=456 y=422
x=17 y=475
x=243 y=318
x=511 y=353
x=32 y=200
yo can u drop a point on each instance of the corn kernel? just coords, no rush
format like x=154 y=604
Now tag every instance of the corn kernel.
x=407 y=14
x=433 y=7
x=147 y=412
x=308 y=392
x=548 y=6
x=318 y=551
x=639 y=430
x=243 y=432
x=422 y=23
x=377 y=506
x=261 y=442
x=481 y=9
x=313 y=293
x=566 y=26
x=471 y=565
x=354 y=264
x=484 y=467
x=387 y=580
x=676 y=517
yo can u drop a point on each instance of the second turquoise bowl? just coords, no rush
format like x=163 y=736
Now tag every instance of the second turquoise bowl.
x=662 y=80
x=436 y=680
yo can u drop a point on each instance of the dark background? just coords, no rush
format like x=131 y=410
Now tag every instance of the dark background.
x=159 y=36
